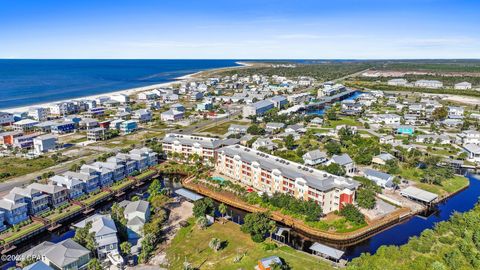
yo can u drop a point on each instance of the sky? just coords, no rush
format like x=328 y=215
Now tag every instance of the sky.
x=240 y=29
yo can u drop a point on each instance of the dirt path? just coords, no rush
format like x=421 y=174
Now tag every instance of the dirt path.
x=179 y=211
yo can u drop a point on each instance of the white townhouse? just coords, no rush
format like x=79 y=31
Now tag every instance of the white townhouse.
x=455 y=111
x=397 y=82
x=387 y=119
x=468 y=137
x=44 y=143
x=270 y=174
x=473 y=151
x=434 y=84
x=463 y=86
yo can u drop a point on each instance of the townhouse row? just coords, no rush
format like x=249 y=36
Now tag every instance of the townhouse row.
x=36 y=198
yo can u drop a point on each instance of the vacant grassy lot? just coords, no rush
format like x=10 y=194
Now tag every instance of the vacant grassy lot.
x=13 y=166
x=223 y=127
x=448 y=185
x=343 y=121
x=191 y=244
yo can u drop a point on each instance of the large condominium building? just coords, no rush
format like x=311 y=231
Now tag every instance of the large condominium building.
x=429 y=84
x=272 y=174
x=258 y=108
x=188 y=145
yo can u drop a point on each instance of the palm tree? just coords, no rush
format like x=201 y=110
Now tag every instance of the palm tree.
x=222 y=208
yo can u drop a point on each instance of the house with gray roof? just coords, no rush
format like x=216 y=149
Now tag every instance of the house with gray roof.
x=65 y=255
x=257 y=108
x=15 y=208
x=272 y=127
x=382 y=179
x=37 y=202
x=264 y=143
x=382 y=158
x=57 y=195
x=315 y=157
x=473 y=151
x=75 y=186
x=105 y=233
x=137 y=214
x=237 y=129
x=346 y=162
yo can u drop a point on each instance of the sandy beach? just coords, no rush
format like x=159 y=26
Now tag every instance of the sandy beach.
x=130 y=91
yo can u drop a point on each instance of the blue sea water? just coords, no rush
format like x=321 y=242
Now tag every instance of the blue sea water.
x=28 y=82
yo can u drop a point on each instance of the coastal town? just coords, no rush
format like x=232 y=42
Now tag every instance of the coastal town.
x=161 y=177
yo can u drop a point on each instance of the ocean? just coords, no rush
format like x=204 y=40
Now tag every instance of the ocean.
x=28 y=82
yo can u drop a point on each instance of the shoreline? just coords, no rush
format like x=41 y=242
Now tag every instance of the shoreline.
x=129 y=91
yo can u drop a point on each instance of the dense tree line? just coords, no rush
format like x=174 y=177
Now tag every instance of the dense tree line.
x=453 y=244
x=308 y=209
x=322 y=71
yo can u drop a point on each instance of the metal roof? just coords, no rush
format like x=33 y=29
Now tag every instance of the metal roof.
x=418 y=194
x=188 y=194
x=326 y=250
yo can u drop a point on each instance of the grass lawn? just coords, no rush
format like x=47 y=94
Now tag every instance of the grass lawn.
x=320 y=130
x=123 y=183
x=91 y=199
x=79 y=140
x=65 y=212
x=223 y=127
x=191 y=244
x=145 y=174
x=23 y=231
x=13 y=166
x=448 y=185
x=343 y=121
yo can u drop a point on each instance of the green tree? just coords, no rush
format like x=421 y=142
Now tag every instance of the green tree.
x=203 y=207
x=215 y=244
x=289 y=142
x=257 y=225
x=352 y=214
x=255 y=130
x=366 y=198
x=125 y=248
x=84 y=237
x=333 y=148
x=94 y=264
x=440 y=113
x=222 y=208
x=155 y=188
x=334 y=168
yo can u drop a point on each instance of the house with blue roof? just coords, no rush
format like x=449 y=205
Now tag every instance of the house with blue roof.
x=406 y=130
